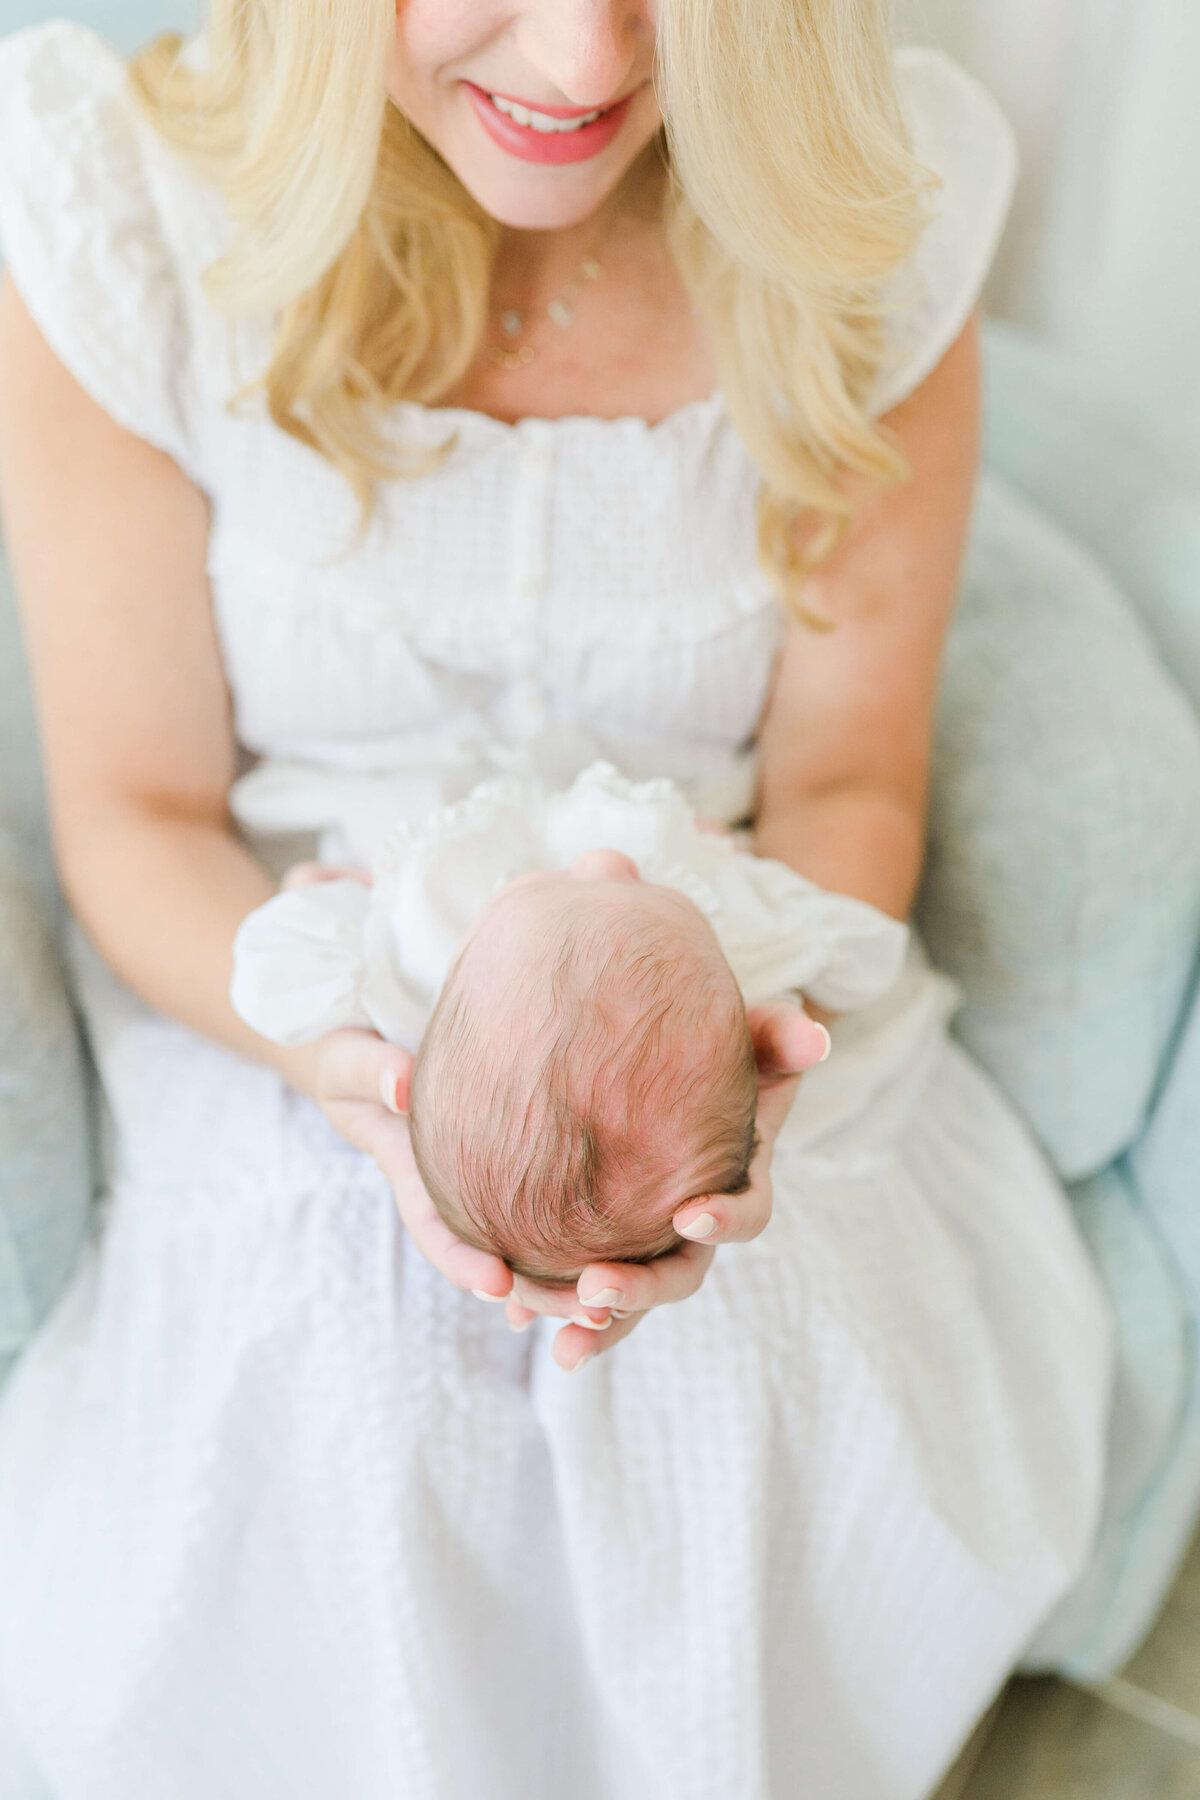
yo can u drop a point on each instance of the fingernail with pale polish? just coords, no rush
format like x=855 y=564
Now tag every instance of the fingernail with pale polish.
x=828 y=1042
x=606 y=1297
x=521 y=1325
x=387 y=1087
x=584 y=1360
x=496 y=1299
x=593 y=1324
x=701 y=1227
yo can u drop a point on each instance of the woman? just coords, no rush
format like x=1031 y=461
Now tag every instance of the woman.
x=554 y=438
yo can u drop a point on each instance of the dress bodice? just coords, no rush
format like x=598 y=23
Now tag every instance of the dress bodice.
x=558 y=589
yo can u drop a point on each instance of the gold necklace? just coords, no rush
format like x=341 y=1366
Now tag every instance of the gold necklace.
x=558 y=312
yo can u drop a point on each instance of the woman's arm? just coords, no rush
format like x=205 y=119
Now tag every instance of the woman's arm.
x=845 y=744
x=108 y=541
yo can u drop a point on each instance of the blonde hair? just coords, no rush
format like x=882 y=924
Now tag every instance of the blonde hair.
x=793 y=203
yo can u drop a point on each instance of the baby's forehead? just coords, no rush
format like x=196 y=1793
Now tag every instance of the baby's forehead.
x=616 y=927
x=554 y=894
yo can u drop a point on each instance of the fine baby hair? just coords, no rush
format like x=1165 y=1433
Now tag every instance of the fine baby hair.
x=568 y=1100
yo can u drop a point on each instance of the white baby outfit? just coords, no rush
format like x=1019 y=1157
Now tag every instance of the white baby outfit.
x=320 y=958
x=285 y=1516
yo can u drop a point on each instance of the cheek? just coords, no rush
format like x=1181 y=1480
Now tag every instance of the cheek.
x=434 y=34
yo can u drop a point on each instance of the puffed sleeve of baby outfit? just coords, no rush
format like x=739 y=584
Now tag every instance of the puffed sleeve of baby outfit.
x=782 y=934
x=960 y=134
x=85 y=194
x=299 y=963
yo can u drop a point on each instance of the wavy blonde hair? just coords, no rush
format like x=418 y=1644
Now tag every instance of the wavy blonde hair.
x=793 y=203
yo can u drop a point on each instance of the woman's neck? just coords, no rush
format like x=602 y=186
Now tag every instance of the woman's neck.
x=532 y=266
x=634 y=348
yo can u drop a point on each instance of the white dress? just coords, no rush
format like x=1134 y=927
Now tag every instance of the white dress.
x=283 y=1515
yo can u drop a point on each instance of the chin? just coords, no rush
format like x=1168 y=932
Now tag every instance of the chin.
x=514 y=205
x=536 y=199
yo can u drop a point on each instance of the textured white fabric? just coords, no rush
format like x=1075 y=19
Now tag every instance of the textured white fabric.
x=338 y=954
x=283 y=1513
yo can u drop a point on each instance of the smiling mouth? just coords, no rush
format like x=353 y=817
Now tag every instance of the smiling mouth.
x=553 y=135
x=544 y=121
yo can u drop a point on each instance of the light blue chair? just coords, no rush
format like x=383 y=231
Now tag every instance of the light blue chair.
x=125 y=23
x=1079 y=976
x=1102 y=478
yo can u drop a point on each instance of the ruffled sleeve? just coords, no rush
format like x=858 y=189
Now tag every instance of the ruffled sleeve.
x=780 y=933
x=299 y=963
x=783 y=935
x=960 y=133
x=82 y=231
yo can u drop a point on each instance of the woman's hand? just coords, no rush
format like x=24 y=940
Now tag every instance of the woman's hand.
x=786 y=1042
x=361 y=1084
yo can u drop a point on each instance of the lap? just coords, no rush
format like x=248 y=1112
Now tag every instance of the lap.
x=792 y=1532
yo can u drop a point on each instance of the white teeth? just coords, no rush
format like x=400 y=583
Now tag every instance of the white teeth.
x=539 y=121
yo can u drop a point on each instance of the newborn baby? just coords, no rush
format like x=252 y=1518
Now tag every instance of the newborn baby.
x=587 y=1069
x=572 y=971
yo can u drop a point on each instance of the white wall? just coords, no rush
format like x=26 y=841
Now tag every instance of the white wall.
x=1103 y=251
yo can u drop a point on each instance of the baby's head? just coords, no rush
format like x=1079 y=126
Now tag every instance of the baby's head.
x=588 y=1069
